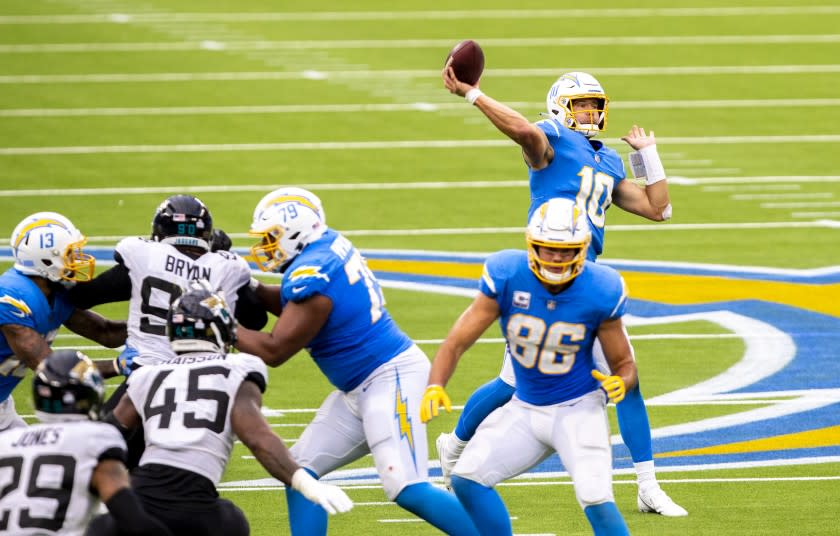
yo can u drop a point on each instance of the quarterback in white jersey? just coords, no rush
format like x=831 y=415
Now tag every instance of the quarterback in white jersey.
x=551 y=304
x=53 y=475
x=190 y=407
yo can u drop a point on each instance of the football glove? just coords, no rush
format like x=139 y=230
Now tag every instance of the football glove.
x=613 y=385
x=124 y=363
x=331 y=498
x=433 y=398
x=219 y=240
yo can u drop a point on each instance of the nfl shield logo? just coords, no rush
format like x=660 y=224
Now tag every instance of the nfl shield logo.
x=551 y=305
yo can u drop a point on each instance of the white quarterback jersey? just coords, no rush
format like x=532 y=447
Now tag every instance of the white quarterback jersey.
x=159 y=273
x=45 y=472
x=185 y=404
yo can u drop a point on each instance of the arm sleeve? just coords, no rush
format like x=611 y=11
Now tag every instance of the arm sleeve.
x=113 y=285
x=249 y=310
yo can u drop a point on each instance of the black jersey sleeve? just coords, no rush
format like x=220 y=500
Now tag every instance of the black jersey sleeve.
x=112 y=285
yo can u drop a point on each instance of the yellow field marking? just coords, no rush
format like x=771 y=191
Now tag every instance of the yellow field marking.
x=824 y=437
x=675 y=289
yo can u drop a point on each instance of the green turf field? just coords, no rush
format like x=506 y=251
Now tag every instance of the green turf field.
x=108 y=106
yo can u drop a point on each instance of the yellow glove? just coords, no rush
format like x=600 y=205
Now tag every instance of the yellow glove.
x=613 y=385
x=433 y=398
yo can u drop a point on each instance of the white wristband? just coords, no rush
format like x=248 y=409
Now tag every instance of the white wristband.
x=667 y=213
x=473 y=95
x=303 y=482
x=655 y=172
x=254 y=284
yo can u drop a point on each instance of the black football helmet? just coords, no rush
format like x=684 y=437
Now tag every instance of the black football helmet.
x=201 y=321
x=183 y=220
x=67 y=385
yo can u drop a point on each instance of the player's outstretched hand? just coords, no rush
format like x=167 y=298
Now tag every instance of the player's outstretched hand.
x=637 y=138
x=613 y=385
x=451 y=82
x=433 y=399
x=331 y=498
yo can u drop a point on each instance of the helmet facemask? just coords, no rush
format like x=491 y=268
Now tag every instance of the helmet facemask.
x=572 y=87
x=285 y=221
x=558 y=225
x=46 y=244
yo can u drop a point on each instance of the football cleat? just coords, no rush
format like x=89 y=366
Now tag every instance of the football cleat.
x=448 y=458
x=656 y=501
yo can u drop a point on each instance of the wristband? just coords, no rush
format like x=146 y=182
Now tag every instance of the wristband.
x=667 y=213
x=254 y=284
x=473 y=95
x=654 y=171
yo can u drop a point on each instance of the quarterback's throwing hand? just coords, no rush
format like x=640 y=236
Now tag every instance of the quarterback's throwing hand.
x=433 y=399
x=331 y=498
x=613 y=385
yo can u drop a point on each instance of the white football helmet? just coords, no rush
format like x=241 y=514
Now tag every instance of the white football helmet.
x=575 y=86
x=558 y=225
x=46 y=244
x=285 y=221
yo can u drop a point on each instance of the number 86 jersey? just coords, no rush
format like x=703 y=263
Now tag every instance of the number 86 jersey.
x=550 y=336
x=185 y=404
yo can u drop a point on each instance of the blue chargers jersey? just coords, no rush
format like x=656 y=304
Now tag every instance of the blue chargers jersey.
x=550 y=336
x=22 y=303
x=579 y=172
x=359 y=334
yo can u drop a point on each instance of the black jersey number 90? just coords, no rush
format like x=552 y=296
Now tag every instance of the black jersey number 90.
x=60 y=494
x=155 y=283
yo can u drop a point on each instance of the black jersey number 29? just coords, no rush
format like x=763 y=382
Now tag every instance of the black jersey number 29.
x=194 y=393
x=151 y=283
x=60 y=494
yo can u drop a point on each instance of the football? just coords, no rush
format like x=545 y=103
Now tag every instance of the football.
x=467 y=61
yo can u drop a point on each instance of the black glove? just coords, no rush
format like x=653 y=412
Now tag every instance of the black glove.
x=219 y=240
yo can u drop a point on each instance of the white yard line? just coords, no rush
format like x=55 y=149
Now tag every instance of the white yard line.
x=715 y=70
x=831 y=214
x=505 y=14
x=424 y=107
x=749 y=183
x=802 y=204
x=445 y=43
x=810 y=195
x=382 y=145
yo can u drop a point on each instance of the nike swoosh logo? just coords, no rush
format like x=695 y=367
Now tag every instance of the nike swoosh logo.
x=298 y=289
x=19 y=314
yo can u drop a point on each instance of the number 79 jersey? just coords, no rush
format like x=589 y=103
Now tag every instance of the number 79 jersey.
x=159 y=273
x=185 y=404
x=45 y=472
x=550 y=336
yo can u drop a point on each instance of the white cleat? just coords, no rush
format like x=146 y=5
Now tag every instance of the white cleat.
x=447 y=457
x=656 y=501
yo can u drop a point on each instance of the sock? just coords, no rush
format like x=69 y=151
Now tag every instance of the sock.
x=305 y=517
x=645 y=475
x=634 y=426
x=493 y=394
x=437 y=507
x=606 y=520
x=484 y=505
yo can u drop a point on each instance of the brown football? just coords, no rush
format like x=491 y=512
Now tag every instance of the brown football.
x=467 y=61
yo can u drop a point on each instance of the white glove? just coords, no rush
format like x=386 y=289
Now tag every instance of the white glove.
x=331 y=498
